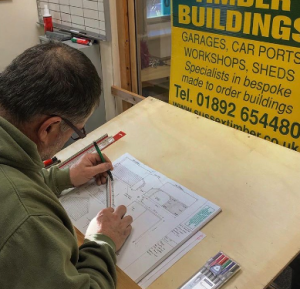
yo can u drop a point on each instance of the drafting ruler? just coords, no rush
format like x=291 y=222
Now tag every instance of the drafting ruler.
x=103 y=142
x=110 y=194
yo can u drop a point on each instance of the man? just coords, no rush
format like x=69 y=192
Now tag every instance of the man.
x=47 y=94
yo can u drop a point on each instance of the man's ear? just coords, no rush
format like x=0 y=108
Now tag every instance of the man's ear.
x=49 y=130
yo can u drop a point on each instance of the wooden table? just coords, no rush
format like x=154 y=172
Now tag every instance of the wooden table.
x=256 y=183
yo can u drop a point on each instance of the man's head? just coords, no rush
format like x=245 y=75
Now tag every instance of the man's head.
x=44 y=85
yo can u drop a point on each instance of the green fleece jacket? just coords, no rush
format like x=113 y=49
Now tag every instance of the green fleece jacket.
x=38 y=246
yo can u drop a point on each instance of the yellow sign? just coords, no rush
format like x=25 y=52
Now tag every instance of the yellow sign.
x=237 y=62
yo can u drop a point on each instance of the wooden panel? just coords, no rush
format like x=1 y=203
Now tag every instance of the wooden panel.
x=133 y=45
x=124 y=47
x=141 y=35
x=255 y=182
x=127 y=96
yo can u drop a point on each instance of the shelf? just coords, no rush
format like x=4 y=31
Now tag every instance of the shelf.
x=151 y=73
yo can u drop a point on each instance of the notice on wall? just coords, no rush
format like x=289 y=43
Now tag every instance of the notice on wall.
x=237 y=62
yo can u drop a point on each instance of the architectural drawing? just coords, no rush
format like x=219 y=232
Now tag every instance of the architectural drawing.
x=165 y=213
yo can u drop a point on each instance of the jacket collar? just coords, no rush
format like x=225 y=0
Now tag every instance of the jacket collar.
x=16 y=149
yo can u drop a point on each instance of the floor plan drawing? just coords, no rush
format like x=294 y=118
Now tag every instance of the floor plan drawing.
x=165 y=214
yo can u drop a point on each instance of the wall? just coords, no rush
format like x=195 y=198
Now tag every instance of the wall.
x=19 y=31
x=18 y=28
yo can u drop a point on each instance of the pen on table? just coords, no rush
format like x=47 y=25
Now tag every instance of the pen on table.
x=51 y=162
x=207 y=265
x=221 y=260
x=222 y=274
x=225 y=267
x=216 y=261
x=103 y=159
x=232 y=271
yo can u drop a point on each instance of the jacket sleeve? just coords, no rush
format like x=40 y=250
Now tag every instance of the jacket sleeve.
x=57 y=179
x=42 y=253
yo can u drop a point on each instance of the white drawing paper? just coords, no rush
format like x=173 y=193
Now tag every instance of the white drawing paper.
x=165 y=213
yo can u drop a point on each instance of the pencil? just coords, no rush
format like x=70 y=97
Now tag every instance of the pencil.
x=103 y=159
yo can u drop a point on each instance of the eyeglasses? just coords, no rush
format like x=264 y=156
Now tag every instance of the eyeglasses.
x=79 y=133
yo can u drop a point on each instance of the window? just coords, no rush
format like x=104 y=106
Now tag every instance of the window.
x=158 y=8
x=153 y=47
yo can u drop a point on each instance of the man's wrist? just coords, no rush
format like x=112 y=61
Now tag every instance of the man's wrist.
x=62 y=179
x=100 y=239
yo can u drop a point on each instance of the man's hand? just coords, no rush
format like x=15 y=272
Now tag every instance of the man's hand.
x=89 y=167
x=112 y=224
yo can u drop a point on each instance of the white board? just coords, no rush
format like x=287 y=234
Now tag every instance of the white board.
x=90 y=17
